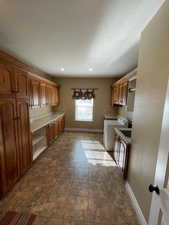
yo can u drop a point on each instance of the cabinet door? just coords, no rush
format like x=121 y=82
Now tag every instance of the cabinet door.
x=124 y=93
x=22 y=84
x=50 y=133
x=60 y=125
x=115 y=94
x=7 y=80
x=49 y=94
x=63 y=124
x=120 y=97
x=35 y=93
x=55 y=96
x=9 y=156
x=25 y=148
x=43 y=100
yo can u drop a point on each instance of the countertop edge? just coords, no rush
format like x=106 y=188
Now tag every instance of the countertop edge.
x=32 y=130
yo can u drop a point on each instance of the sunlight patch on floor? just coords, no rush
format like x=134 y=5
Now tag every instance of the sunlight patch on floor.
x=92 y=145
x=96 y=154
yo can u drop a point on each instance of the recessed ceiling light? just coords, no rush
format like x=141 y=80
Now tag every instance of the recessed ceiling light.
x=62 y=69
x=90 y=69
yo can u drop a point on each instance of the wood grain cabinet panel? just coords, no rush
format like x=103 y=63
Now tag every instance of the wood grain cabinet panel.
x=124 y=92
x=54 y=129
x=119 y=94
x=25 y=148
x=52 y=95
x=22 y=84
x=48 y=95
x=35 y=93
x=9 y=154
x=120 y=88
x=7 y=80
x=43 y=97
x=63 y=124
x=115 y=94
x=56 y=96
x=50 y=133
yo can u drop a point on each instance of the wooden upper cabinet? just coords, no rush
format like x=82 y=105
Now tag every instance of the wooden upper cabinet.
x=9 y=162
x=55 y=96
x=48 y=94
x=124 y=93
x=35 y=93
x=7 y=80
x=43 y=96
x=120 y=88
x=52 y=95
x=119 y=93
x=24 y=144
x=22 y=84
x=115 y=94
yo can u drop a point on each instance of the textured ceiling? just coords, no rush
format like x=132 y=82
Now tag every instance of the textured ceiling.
x=75 y=35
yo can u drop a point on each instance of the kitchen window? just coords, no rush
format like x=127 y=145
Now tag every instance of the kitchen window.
x=84 y=110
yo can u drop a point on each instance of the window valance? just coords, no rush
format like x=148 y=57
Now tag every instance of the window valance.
x=83 y=93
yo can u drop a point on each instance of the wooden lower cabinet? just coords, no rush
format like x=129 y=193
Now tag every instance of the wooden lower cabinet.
x=54 y=129
x=50 y=133
x=24 y=143
x=15 y=148
x=9 y=154
x=121 y=154
x=61 y=124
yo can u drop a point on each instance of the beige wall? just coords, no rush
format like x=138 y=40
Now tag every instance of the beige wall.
x=153 y=73
x=102 y=102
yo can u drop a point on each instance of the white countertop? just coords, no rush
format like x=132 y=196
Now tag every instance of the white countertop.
x=38 y=124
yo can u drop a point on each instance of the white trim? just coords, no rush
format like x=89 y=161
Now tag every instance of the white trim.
x=84 y=130
x=135 y=204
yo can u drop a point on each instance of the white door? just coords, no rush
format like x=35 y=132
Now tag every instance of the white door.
x=159 y=212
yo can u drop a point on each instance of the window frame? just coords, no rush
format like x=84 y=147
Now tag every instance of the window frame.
x=86 y=121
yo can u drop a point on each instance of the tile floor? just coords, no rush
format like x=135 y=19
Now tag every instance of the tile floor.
x=74 y=182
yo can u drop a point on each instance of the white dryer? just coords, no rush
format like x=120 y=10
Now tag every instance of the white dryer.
x=109 y=133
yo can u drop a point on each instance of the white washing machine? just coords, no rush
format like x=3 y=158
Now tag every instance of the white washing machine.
x=109 y=133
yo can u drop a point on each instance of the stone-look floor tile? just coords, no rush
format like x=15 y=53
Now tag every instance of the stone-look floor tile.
x=40 y=221
x=54 y=221
x=71 y=184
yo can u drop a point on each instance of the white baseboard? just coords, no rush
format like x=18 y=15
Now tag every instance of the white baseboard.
x=135 y=204
x=84 y=130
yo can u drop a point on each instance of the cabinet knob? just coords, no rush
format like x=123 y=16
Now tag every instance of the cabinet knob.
x=154 y=188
